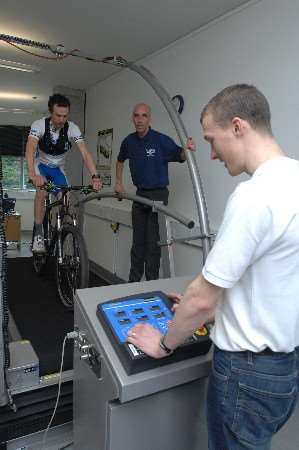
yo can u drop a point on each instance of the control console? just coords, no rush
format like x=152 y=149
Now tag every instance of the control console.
x=155 y=308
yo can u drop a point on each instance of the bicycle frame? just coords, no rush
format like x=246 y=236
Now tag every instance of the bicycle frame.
x=65 y=242
x=63 y=211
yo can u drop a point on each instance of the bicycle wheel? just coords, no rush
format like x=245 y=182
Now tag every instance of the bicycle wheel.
x=72 y=272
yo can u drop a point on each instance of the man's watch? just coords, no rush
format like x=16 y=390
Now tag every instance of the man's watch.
x=95 y=175
x=164 y=347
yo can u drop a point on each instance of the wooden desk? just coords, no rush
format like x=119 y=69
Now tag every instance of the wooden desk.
x=12 y=226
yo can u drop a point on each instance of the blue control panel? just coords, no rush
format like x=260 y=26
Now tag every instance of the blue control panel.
x=123 y=315
x=155 y=308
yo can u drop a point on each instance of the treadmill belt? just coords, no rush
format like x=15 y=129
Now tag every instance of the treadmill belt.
x=39 y=314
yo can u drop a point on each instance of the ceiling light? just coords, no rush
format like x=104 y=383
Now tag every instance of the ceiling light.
x=13 y=65
x=17 y=111
x=15 y=96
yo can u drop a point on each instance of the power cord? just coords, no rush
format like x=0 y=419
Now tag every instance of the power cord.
x=66 y=446
x=71 y=335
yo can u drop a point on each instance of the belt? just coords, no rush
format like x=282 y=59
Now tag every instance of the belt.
x=266 y=351
x=152 y=189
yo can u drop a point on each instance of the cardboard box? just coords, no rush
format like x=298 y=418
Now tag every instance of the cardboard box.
x=12 y=225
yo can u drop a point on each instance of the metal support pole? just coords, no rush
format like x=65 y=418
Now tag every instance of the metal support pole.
x=60 y=51
x=166 y=244
x=183 y=135
x=156 y=206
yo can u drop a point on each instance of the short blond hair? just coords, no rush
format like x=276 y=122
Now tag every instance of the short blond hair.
x=240 y=100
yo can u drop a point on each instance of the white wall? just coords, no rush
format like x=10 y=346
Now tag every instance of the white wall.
x=257 y=44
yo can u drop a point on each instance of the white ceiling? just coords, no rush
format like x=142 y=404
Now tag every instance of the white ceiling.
x=130 y=28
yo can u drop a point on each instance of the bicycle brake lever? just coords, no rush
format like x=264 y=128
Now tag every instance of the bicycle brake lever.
x=87 y=189
x=49 y=187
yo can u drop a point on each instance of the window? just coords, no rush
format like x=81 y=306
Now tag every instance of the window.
x=15 y=175
x=12 y=144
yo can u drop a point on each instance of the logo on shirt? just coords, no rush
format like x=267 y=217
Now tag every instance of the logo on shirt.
x=150 y=152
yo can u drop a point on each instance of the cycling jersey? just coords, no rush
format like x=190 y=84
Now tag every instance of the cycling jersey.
x=53 y=143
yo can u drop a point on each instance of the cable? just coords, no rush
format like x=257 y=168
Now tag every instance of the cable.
x=59 y=51
x=4 y=295
x=66 y=446
x=59 y=56
x=71 y=335
x=27 y=42
x=58 y=395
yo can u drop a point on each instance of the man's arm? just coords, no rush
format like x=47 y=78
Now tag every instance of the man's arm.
x=119 y=188
x=89 y=163
x=31 y=145
x=195 y=309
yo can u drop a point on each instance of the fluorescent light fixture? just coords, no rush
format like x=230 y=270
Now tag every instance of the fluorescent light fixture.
x=16 y=111
x=13 y=65
x=15 y=96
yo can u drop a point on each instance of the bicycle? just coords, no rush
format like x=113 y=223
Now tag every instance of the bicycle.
x=63 y=240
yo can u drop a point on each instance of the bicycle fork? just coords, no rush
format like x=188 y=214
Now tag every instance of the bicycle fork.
x=59 y=231
x=59 y=247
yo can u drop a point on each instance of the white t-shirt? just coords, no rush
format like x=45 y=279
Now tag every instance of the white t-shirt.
x=256 y=257
x=37 y=130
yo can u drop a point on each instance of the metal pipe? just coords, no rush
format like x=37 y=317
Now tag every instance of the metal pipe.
x=156 y=206
x=183 y=135
x=60 y=50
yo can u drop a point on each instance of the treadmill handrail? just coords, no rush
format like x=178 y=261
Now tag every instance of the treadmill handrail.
x=145 y=201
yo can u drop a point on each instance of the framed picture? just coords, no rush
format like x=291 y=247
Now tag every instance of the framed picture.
x=104 y=155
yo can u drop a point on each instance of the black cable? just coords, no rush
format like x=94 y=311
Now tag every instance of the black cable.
x=51 y=58
x=3 y=275
x=4 y=297
x=66 y=446
x=59 y=51
x=22 y=41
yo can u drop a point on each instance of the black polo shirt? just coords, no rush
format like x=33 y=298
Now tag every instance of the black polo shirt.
x=149 y=157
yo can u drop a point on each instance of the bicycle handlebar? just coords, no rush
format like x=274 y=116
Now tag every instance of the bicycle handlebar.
x=51 y=187
x=136 y=198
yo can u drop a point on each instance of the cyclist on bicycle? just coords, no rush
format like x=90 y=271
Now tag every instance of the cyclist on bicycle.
x=48 y=142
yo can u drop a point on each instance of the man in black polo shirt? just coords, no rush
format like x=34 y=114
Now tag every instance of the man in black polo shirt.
x=149 y=153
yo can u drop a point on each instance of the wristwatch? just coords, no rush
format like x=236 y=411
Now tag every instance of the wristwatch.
x=95 y=175
x=164 y=347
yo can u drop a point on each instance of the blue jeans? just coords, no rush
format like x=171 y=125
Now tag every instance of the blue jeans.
x=250 y=397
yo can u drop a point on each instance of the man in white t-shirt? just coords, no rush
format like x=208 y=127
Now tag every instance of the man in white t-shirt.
x=249 y=283
x=48 y=143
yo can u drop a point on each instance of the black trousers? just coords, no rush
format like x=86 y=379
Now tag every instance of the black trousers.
x=145 y=251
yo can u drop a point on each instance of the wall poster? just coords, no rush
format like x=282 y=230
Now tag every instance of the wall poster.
x=104 y=155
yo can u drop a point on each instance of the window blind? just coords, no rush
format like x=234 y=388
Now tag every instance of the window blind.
x=13 y=140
